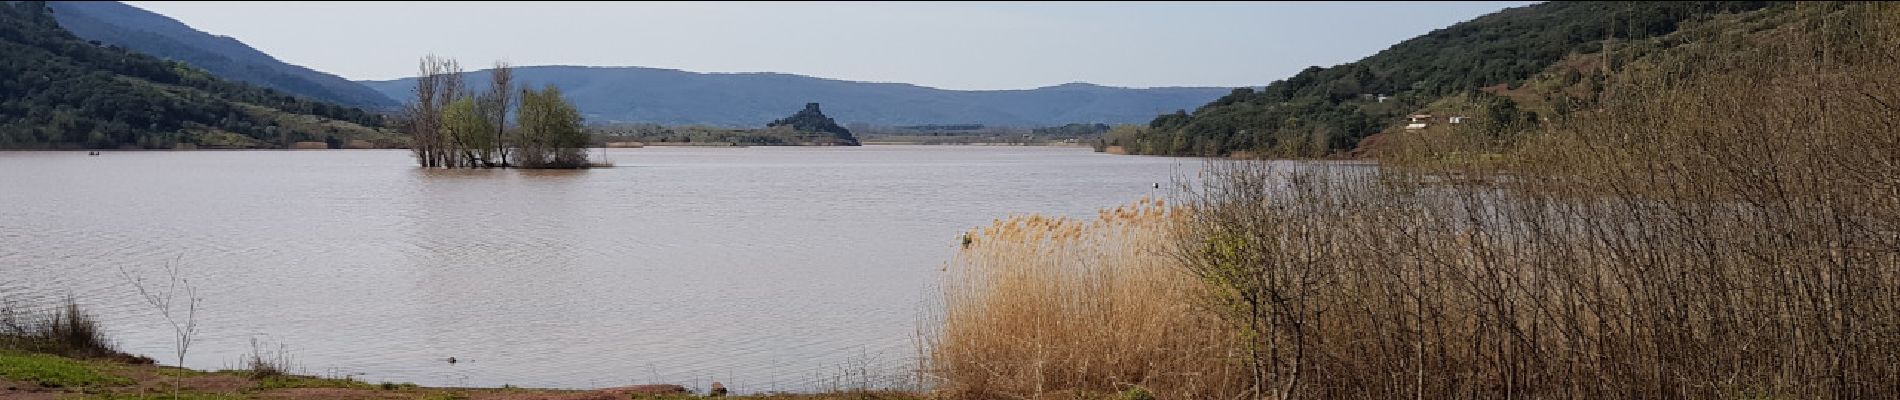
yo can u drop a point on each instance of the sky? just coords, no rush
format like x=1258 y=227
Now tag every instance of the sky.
x=948 y=45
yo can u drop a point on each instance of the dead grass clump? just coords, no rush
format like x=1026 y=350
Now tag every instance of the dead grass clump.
x=67 y=330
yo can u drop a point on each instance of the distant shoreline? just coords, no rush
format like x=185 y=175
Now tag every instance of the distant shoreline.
x=719 y=145
x=917 y=143
x=132 y=150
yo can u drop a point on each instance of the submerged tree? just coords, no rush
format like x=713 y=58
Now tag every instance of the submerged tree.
x=550 y=135
x=465 y=121
x=494 y=106
x=438 y=83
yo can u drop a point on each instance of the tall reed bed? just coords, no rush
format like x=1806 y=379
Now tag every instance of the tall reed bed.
x=1038 y=307
x=1378 y=286
x=1725 y=224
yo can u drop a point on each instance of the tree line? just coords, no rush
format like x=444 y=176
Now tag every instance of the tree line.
x=452 y=126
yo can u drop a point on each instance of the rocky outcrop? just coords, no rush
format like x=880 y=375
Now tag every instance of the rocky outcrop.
x=812 y=120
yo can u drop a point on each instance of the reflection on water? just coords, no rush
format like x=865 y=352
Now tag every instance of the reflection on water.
x=764 y=268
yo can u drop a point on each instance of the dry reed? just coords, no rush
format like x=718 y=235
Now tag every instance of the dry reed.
x=1725 y=224
x=1038 y=307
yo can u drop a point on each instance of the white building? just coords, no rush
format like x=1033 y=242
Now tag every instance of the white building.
x=1418 y=121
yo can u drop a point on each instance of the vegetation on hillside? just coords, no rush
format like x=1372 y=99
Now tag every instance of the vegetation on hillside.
x=122 y=25
x=1323 y=111
x=62 y=92
x=1719 y=223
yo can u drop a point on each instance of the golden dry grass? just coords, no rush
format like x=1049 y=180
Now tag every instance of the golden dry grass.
x=1038 y=307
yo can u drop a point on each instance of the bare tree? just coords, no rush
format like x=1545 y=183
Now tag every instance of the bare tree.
x=438 y=84
x=500 y=90
x=421 y=115
x=183 y=318
x=450 y=88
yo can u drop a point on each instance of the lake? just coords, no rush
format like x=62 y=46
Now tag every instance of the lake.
x=765 y=268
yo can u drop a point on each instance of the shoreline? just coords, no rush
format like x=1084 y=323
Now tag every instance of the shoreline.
x=30 y=375
x=998 y=144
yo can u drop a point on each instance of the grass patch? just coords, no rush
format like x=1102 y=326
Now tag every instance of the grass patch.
x=294 y=382
x=54 y=371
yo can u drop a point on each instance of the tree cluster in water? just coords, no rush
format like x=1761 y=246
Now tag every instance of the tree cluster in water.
x=453 y=127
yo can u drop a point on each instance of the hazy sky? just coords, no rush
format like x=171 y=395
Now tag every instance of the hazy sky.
x=944 y=45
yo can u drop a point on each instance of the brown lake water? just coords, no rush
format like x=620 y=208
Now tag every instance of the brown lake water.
x=763 y=268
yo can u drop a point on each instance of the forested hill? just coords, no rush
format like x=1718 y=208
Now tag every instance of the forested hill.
x=1322 y=111
x=116 y=23
x=58 y=91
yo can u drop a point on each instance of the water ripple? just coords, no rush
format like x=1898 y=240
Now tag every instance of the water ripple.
x=763 y=268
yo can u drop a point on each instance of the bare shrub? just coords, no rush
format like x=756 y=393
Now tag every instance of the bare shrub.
x=266 y=362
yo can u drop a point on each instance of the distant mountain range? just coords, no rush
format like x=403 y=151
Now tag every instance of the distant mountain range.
x=116 y=23
x=635 y=94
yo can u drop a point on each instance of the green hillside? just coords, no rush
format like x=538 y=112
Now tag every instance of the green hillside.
x=119 y=24
x=57 y=91
x=1625 y=74
x=1328 y=111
